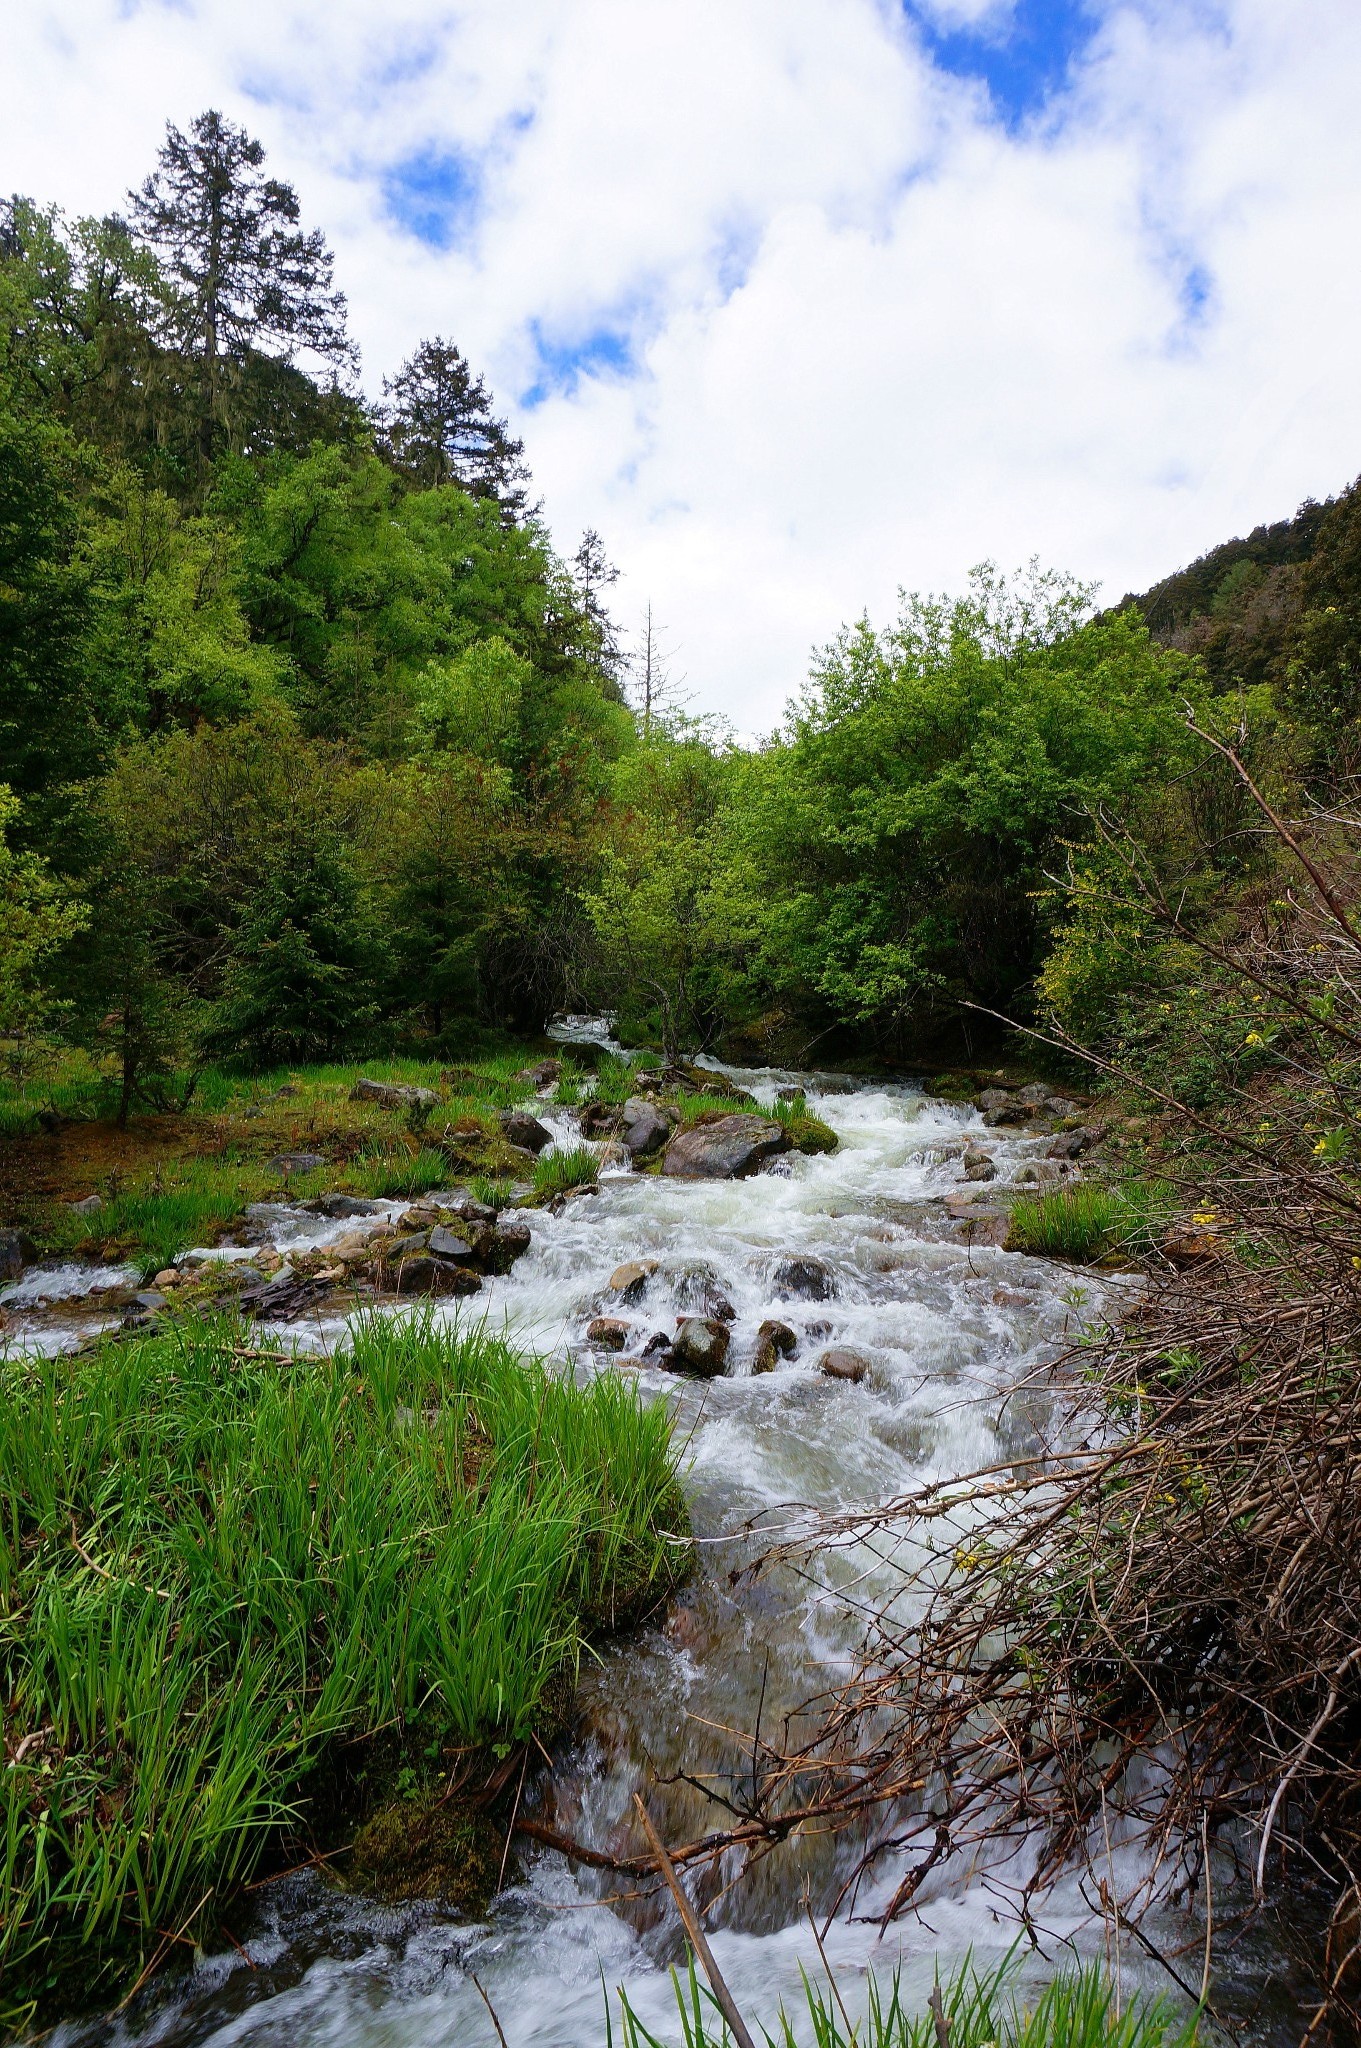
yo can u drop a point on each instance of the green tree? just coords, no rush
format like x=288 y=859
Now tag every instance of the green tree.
x=437 y=427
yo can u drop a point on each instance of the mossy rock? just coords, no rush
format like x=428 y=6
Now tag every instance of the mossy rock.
x=810 y=1134
x=428 y=1849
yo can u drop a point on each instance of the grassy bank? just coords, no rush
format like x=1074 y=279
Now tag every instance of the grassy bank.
x=974 y=2009
x=216 y=1564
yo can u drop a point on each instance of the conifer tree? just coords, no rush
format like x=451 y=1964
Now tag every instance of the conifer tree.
x=438 y=427
x=247 y=281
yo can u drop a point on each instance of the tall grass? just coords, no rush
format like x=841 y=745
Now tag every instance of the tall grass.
x=556 y=1173
x=213 y=1565
x=387 y=1175
x=1078 y=2009
x=614 y=1080
x=178 y=1207
x=1090 y=1221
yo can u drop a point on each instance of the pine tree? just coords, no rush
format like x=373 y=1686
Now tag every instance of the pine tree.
x=247 y=281
x=593 y=575
x=439 y=428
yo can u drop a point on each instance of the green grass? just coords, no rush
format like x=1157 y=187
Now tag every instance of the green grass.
x=215 y=1566
x=1090 y=1221
x=178 y=1207
x=387 y=1175
x=493 y=1194
x=1078 y=2009
x=555 y=1173
x=614 y=1080
x=693 y=1107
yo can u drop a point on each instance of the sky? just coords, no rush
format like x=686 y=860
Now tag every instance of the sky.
x=801 y=302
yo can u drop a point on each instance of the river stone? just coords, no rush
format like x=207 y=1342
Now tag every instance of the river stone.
x=1070 y=1144
x=612 y=1153
x=1034 y=1094
x=978 y=1165
x=339 y=1206
x=510 y=1240
x=629 y=1281
x=288 y=1163
x=541 y=1075
x=90 y=1206
x=1008 y=1113
x=700 y=1346
x=728 y=1149
x=698 y=1288
x=993 y=1098
x=805 y=1276
x=842 y=1364
x=774 y=1341
x=424 y=1275
x=393 y=1095
x=452 y=1203
x=16 y=1252
x=518 y=1127
x=645 y=1128
x=611 y=1333
x=407 y=1247
x=447 y=1244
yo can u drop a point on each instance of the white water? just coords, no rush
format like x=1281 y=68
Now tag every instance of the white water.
x=951 y=1330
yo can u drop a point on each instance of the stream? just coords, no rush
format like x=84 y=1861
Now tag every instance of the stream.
x=951 y=1329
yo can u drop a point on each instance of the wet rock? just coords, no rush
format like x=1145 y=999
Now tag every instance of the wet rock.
x=774 y=1341
x=465 y=1207
x=600 y=1119
x=518 y=1127
x=614 y=1153
x=645 y=1128
x=656 y=1344
x=629 y=1281
x=444 y=1243
x=541 y=1075
x=978 y=1165
x=805 y=1277
x=728 y=1149
x=506 y=1242
x=339 y=1206
x=842 y=1364
x=993 y=1098
x=699 y=1289
x=16 y=1251
x=611 y=1333
x=288 y=1163
x=426 y=1275
x=1037 y=1173
x=90 y=1206
x=1007 y=1113
x=393 y=1095
x=700 y=1347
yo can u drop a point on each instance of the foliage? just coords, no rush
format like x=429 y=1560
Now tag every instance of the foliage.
x=1088 y=1221
x=439 y=428
x=214 y=1564
x=558 y=1172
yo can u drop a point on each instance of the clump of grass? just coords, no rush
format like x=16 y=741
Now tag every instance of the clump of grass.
x=153 y=1224
x=1088 y=1222
x=806 y=1133
x=568 y=1092
x=213 y=1568
x=1078 y=2009
x=614 y=1080
x=388 y=1175
x=693 y=1107
x=555 y=1173
x=493 y=1194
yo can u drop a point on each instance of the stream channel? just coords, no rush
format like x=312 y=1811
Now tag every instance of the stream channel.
x=952 y=1330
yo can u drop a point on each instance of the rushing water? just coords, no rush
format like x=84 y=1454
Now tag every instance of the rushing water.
x=951 y=1329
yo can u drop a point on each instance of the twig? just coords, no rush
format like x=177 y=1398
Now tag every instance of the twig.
x=727 y=2004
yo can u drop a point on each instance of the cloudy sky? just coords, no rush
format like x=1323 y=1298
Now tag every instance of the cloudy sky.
x=799 y=301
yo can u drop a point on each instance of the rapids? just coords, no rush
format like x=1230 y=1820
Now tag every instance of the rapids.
x=952 y=1329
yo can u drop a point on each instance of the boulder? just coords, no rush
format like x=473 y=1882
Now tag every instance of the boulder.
x=993 y=1098
x=629 y=1281
x=645 y=1128
x=774 y=1341
x=340 y=1206
x=426 y=1275
x=393 y=1095
x=285 y=1164
x=600 y=1119
x=1072 y=1144
x=1035 y=1094
x=16 y=1252
x=978 y=1165
x=842 y=1364
x=443 y=1243
x=499 y=1247
x=699 y=1289
x=806 y=1277
x=611 y=1333
x=1007 y=1113
x=728 y=1149
x=518 y=1127
x=700 y=1347
x=90 y=1206
x=541 y=1075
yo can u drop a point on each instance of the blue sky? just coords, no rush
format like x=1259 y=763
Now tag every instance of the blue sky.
x=799 y=301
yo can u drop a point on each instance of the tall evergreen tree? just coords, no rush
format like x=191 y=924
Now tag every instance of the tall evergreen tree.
x=438 y=427
x=248 y=282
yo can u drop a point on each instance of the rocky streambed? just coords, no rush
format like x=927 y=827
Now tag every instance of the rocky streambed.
x=830 y=1327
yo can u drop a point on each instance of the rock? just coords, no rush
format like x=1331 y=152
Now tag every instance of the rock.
x=464 y=1207
x=728 y=1149
x=789 y=1095
x=613 y=1153
x=170 y=1276
x=90 y=1206
x=656 y=1344
x=993 y=1098
x=1037 y=1173
x=339 y=1206
x=392 y=1095
x=1060 y=1106
x=699 y=1289
x=774 y=1341
x=978 y=1165
x=629 y=1281
x=16 y=1251
x=599 y=1119
x=150 y=1300
x=518 y=1127
x=443 y=1243
x=700 y=1346
x=1009 y=1113
x=1072 y=1144
x=611 y=1333
x=425 y=1275
x=289 y=1163
x=541 y=1075
x=407 y=1247
x=645 y=1128
x=1034 y=1094
x=508 y=1241
x=805 y=1276
x=841 y=1364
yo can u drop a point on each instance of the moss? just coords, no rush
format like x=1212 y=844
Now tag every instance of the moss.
x=424 y=1848
x=810 y=1134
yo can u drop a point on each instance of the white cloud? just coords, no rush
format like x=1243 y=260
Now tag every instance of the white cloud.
x=873 y=335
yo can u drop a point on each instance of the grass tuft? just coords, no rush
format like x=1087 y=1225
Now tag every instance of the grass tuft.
x=557 y=1173
x=1088 y=1222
